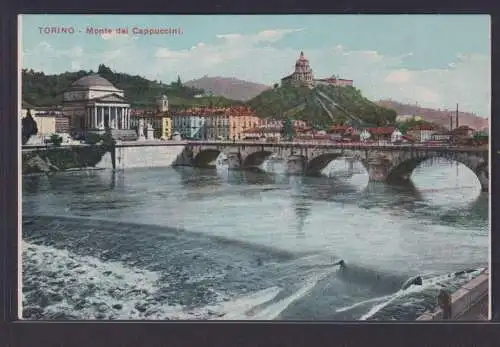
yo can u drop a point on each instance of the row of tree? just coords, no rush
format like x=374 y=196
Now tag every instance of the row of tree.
x=46 y=90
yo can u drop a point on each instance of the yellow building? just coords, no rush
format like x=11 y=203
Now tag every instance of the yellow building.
x=240 y=120
x=166 y=128
x=46 y=124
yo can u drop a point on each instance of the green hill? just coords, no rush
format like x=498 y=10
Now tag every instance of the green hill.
x=46 y=90
x=321 y=106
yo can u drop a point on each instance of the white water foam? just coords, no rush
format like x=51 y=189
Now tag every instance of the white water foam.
x=92 y=289
x=428 y=284
x=247 y=307
x=364 y=302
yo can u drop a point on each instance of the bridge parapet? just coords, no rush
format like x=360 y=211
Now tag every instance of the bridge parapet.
x=383 y=162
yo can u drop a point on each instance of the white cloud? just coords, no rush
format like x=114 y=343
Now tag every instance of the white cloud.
x=398 y=76
x=466 y=80
x=273 y=35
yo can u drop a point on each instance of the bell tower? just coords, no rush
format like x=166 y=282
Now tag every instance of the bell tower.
x=162 y=103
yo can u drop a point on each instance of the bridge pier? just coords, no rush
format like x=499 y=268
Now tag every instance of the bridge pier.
x=483 y=180
x=234 y=161
x=379 y=169
x=296 y=165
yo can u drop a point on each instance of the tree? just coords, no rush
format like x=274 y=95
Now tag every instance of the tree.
x=47 y=90
x=103 y=70
x=29 y=127
x=404 y=126
x=179 y=82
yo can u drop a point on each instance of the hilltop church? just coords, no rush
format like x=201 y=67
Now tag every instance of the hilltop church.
x=303 y=76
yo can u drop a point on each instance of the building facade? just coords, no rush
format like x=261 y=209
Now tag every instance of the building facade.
x=93 y=103
x=464 y=131
x=379 y=134
x=303 y=76
x=166 y=128
x=269 y=134
x=189 y=124
x=408 y=118
x=49 y=120
x=158 y=118
x=217 y=123
x=422 y=132
x=241 y=119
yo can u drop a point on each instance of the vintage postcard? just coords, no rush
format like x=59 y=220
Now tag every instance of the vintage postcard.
x=298 y=167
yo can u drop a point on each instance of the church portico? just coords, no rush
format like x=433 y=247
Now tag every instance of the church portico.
x=99 y=116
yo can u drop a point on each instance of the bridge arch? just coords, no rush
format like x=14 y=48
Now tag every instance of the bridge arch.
x=206 y=157
x=402 y=169
x=320 y=162
x=256 y=159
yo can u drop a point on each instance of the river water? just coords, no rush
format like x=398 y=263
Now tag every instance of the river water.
x=186 y=243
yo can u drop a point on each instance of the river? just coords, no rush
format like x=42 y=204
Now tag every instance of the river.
x=187 y=243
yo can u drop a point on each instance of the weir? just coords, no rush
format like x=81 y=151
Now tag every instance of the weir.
x=467 y=303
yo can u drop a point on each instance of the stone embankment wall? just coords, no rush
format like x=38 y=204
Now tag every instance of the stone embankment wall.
x=464 y=298
x=49 y=159
x=148 y=156
x=38 y=159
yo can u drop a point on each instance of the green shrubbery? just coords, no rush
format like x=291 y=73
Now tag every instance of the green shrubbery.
x=300 y=103
x=56 y=140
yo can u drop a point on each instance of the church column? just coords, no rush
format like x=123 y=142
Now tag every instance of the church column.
x=127 y=118
x=95 y=117
x=122 y=114
x=87 y=118
x=109 y=117
x=118 y=124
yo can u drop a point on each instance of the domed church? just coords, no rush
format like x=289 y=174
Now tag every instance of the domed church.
x=303 y=76
x=94 y=104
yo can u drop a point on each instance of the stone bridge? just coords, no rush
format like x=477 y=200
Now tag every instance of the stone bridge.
x=389 y=163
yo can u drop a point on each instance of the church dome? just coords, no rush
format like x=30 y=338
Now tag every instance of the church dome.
x=92 y=81
x=302 y=60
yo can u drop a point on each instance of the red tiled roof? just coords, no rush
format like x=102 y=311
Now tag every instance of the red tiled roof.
x=337 y=128
x=408 y=138
x=464 y=127
x=382 y=130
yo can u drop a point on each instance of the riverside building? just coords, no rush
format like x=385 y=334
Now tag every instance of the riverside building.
x=93 y=104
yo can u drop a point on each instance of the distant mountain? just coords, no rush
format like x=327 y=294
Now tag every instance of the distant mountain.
x=441 y=117
x=228 y=87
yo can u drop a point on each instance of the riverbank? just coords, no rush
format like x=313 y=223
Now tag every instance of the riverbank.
x=61 y=158
x=471 y=297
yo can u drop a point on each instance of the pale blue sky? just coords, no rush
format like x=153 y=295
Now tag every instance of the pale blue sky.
x=436 y=60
